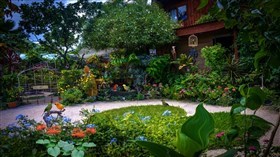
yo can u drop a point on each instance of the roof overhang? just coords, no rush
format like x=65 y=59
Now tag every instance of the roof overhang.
x=201 y=28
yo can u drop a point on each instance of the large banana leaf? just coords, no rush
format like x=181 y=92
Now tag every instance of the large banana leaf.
x=194 y=134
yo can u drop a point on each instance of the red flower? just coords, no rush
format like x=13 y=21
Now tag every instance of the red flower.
x=54 y=130
x=90 y=131
x=78 y=133
x=40 y=127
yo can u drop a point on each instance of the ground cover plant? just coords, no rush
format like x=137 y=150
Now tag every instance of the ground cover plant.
x=157 y=124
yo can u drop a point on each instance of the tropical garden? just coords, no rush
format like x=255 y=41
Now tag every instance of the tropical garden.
x=60 y=63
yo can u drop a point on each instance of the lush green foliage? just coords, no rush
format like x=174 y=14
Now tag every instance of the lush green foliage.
x=72 y=96
x=133 y=26
x=210 y=88
x=114 y=131
x=190 y=142
x=119 y=126
x=68 y=79
x=60 y=33
x=158 y=67
x=215 y=57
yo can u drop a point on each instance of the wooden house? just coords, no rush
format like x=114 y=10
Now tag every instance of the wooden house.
x=209 y=33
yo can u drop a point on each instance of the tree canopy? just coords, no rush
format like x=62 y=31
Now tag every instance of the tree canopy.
x=133 y=26
x=60 y=24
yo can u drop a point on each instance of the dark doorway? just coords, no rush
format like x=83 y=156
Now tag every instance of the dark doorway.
x=226 y=42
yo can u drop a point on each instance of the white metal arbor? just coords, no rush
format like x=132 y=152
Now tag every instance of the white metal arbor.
x=38 y=81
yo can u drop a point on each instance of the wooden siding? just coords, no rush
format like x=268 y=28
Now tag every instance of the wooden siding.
x=201 y=28
x=192 y=12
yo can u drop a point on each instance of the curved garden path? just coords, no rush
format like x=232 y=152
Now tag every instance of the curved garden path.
x=35 y=111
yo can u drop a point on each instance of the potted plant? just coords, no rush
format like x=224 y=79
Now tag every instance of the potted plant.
x=12 y=96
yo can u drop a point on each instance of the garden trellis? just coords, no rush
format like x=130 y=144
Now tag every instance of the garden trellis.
x=38 y=81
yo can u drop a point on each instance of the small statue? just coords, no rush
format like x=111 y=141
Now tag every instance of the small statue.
x=173 y=52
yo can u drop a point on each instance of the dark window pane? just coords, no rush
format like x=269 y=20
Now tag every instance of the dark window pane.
x=182 y=13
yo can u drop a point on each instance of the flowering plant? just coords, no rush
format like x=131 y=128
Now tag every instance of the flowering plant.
x=66 y=138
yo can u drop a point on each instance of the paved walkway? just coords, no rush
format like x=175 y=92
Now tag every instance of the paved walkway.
x=35 y=111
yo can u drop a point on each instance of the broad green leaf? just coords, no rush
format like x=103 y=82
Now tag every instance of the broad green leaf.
x=199 y=126
x=258 y=91
x=243 y=101
x=232 y=134
x=255 y=132
x=238 y=109
x=66 y=153
x=62 y=143
x=159 y=150
x=186 y=145
x=54 y=151
x=243 y=90
x=229 y=153
x=41 y=141
x=258 y=56
x=77 y=153
x=89 y=144
x=68 y=147
x=256 y=98
x=202 y=4
x=51 y=145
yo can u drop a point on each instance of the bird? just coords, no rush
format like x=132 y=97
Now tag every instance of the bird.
x=125 y=87
x=48 y=108
x=59 y=106
x=164 y=103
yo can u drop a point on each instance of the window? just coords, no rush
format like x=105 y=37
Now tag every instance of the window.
x=179 y=13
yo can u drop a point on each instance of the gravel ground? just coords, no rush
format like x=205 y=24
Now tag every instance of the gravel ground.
x=34 y=111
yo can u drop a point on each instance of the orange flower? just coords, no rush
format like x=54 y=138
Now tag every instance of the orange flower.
x=53 y=130
x=78 y=133
x=40 y=127
x=86 y=69
x=90 y=131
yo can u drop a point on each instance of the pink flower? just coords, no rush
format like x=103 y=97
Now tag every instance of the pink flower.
x=266 y=141
x=219 y=135
x=154 y=85
x=252 y=148
x=182 y=91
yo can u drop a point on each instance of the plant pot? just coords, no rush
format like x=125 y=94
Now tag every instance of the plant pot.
x=12 y=104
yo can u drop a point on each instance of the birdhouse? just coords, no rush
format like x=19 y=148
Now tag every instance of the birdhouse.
x=193 y=41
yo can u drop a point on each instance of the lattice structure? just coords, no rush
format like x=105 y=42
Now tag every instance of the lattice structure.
x=38 y=81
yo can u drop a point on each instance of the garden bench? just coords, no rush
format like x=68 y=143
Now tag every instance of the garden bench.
x=37 y=91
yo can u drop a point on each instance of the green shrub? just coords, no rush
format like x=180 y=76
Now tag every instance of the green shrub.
x=72 y=96
x=157 y=68
x=68 y=79
x=215 y=57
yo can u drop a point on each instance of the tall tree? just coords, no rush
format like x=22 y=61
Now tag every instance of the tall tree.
x=133 y=26
x=60 y=24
